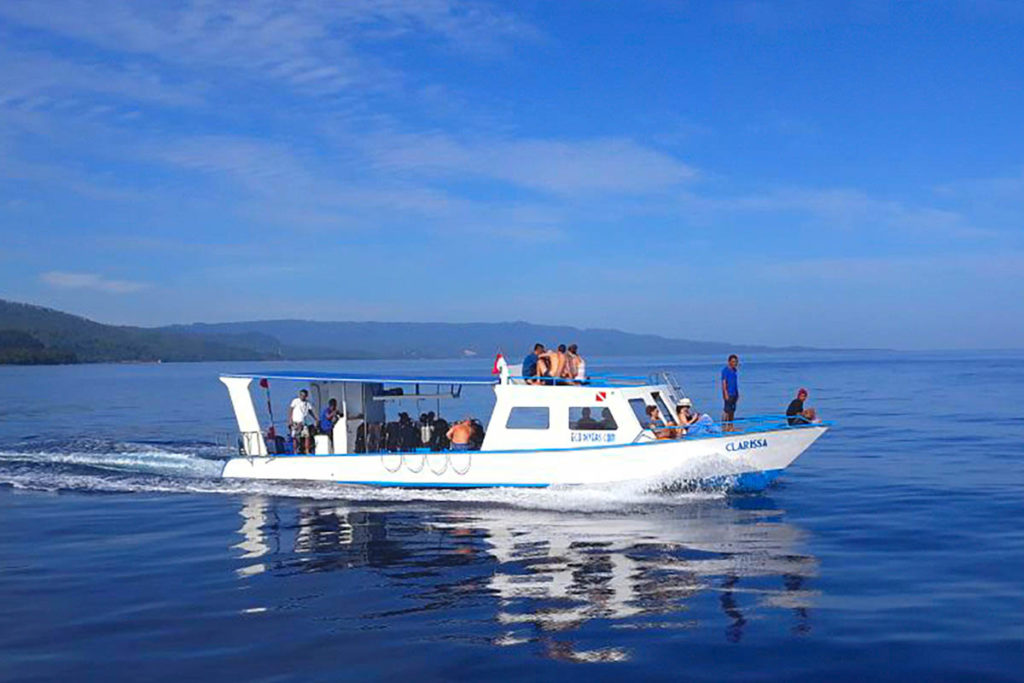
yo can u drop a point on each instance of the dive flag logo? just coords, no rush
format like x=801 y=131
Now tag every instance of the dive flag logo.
x=600 y=396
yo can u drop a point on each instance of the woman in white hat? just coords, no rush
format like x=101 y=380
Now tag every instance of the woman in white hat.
x=687 y=416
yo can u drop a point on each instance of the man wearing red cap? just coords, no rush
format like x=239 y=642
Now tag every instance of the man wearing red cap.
x=796 y=414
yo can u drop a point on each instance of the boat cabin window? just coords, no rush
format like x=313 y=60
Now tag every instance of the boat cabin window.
x=522 y=417
x=639 y=407
x=591 y=418
x=667 y=415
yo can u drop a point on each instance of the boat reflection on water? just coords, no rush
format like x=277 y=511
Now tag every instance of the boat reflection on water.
x=544 y=576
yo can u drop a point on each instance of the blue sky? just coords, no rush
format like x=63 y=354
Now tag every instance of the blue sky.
x=841 y=174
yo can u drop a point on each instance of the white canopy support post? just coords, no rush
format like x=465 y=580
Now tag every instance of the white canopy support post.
x=245 y=413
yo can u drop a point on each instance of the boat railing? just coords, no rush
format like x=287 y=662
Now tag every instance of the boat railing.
x=739 y=426
x=667 y=379
x=250 y=442
x=600 y=380
x=607 y=380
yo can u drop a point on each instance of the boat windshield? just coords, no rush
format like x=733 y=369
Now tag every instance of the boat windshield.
x=639 y=407
x=666 y=414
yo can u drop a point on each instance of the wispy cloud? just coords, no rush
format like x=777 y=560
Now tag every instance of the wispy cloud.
x=257 y=164
x=1002 y=190
x=310 y=46
x=556 y=166
x=90 y=281
x=846 y=209
x=307 y=193
x=415 y=162
x=899 y=271
x=37 y=80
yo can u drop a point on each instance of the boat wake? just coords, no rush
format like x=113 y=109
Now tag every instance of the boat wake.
x=104 y=466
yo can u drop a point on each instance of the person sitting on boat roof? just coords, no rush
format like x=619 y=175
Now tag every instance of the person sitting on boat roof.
x=557 y=365
x=530 y=363
x=577 y=365
x=300 y=419
x=461 y=435
x=570 y=364
x=796 y=414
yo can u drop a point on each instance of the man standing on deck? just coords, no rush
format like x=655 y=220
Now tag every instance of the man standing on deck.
x=300 y=416
x=730 y=391
x=329 y=416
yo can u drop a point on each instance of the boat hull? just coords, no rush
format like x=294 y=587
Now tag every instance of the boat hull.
x=745 y=461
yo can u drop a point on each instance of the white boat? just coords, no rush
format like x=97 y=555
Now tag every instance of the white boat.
x=538 y=435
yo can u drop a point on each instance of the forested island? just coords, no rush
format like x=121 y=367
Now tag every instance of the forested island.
x=37 y=335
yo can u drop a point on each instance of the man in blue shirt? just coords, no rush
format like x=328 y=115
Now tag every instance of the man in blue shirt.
x=530 y=364
x=328 y=416
x=730 y=391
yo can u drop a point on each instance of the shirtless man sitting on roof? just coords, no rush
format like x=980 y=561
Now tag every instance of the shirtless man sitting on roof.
x=557 y=363
x=460 y=435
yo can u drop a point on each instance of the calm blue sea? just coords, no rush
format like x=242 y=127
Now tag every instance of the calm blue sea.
x=892 y=550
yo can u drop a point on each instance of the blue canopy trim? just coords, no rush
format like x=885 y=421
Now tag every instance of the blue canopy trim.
x=310 y=376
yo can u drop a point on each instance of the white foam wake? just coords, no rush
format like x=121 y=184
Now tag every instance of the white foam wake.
x=122 y=456
x=124 y=467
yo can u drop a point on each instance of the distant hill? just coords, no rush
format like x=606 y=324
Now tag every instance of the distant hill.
x=34 y=334
x=309 y=339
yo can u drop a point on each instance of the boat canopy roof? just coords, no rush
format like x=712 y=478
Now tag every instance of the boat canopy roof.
x=594 y=380
x=312 y=376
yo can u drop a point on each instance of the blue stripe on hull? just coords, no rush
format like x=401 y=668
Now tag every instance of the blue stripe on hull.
x=432 y=485
x=746 y=482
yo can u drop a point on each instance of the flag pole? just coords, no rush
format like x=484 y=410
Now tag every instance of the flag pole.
x=272 y=432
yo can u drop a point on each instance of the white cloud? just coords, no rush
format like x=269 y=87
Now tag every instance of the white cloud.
x=302 y=192
x=35 y=80
x=554 y=166
x=846 y=208
x=92 y=281
x=257 y=164
x=900 y=271
x=311 y=46
x=1002 y=192
x=557 y=166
